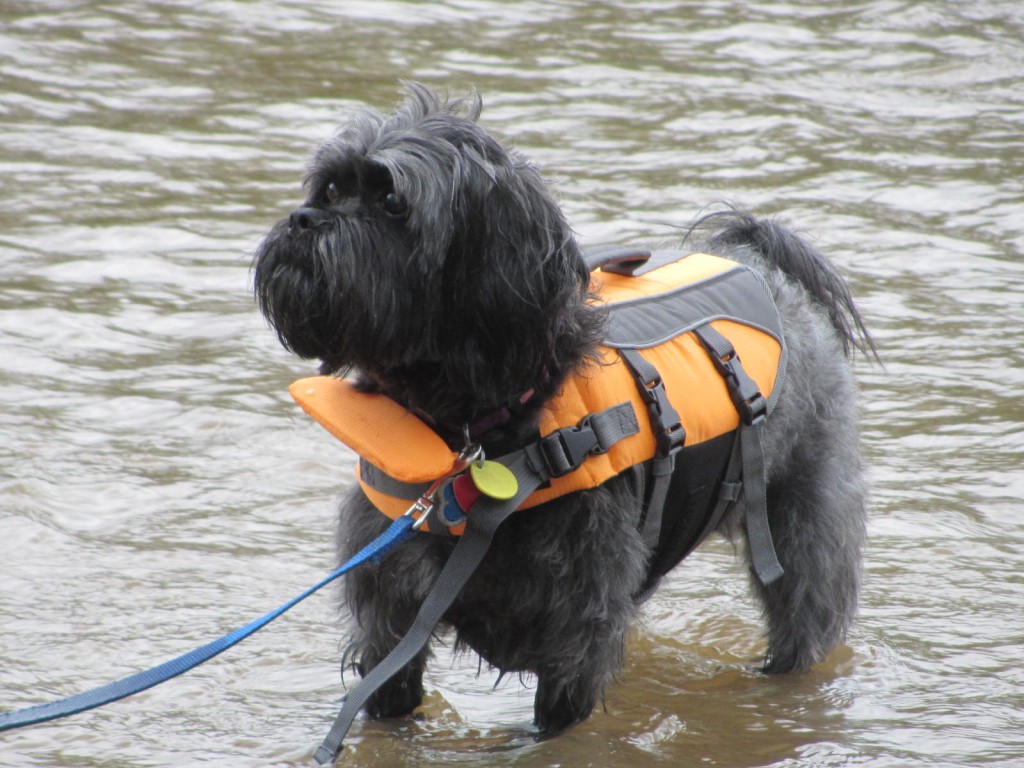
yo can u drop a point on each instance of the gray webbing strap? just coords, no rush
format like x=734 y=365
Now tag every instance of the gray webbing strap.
x=752 y=408
x=487 y=515
x=669 y=436
x=744 y=391
x=759 y=535
x=661 y=479
x=530 y=467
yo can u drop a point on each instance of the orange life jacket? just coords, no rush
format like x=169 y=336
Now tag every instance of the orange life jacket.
x=660 y=307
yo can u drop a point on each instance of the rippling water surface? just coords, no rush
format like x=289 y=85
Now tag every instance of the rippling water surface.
x=158 y=487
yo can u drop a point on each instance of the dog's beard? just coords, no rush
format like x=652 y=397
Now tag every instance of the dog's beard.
x=338 y=293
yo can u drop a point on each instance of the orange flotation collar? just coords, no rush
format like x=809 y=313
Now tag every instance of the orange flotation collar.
x=393 y=442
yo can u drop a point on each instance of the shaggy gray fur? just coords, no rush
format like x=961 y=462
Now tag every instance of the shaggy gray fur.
x=435 y=264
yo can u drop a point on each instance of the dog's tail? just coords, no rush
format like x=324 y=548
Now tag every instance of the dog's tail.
x=801 y=262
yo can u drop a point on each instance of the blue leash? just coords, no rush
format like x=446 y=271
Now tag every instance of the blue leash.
x=97 y=697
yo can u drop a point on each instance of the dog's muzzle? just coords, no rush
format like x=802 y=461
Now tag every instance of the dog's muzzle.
x=306 y=218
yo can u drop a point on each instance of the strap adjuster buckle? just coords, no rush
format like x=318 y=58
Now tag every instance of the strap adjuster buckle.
x=670 y=434
x=743 y=391
x=671 y=440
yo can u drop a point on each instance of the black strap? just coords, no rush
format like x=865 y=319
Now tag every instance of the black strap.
x=559 y=453
x=752 y=407
x=565 y=449
x=745 y=393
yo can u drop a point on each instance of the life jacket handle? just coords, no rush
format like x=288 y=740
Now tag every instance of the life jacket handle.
x=617 y=259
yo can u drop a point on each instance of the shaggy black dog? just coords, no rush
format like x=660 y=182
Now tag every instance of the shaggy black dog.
x=433 y=264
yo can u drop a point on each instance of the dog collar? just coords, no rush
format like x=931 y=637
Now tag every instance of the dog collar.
x=492 y=419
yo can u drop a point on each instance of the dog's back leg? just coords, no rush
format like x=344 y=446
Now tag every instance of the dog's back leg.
x=816 y=494
x=817 y=514
x=817 y=526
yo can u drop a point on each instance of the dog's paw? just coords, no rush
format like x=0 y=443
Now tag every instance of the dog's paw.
x=557 y=707
x=399 y=696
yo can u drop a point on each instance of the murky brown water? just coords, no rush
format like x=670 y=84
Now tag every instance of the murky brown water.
x=158 y=487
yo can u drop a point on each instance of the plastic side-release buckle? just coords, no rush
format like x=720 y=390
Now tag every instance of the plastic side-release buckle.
x=564 y=450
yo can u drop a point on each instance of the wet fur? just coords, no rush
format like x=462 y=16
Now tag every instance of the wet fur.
x=441 y=271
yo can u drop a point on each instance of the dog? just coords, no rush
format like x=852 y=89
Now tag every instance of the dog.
x=432 y=263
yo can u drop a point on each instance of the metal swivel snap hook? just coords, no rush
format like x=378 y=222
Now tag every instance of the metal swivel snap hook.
x=425 y=503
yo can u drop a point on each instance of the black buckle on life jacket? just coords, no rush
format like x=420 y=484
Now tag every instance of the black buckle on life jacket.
x=670 y=434
x=745 y=394
x=565 y=449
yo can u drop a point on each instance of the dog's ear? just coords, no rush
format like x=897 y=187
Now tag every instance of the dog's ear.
x=515 y=281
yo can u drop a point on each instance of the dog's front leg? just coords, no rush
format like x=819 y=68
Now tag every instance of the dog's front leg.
x=587 y=562
x=384 y=599
x=402 y=693
x=561 y=702
x=574 y=682
x=384 y=605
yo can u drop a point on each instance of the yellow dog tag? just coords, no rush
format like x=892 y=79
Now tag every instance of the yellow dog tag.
x=494 y=479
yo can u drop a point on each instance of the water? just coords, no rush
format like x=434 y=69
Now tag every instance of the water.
x=158 y=487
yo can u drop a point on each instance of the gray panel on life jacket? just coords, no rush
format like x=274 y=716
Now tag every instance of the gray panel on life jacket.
x=738 y=294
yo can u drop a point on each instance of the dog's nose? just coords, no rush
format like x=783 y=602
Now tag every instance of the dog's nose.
x=306 y=218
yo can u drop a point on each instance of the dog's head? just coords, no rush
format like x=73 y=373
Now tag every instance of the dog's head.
x=428 y=257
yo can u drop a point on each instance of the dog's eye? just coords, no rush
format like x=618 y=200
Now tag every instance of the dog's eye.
x=332 y=193
x=394 y=204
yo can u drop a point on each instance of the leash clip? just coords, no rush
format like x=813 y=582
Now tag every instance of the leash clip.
x=425 y=503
